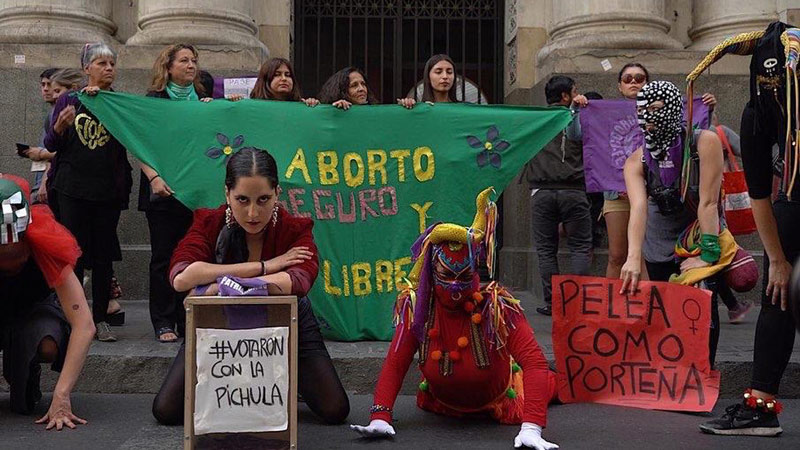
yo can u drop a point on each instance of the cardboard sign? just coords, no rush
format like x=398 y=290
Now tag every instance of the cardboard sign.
x=240 y=86
x=241 y=372
x=646 y=350
x=242 y=380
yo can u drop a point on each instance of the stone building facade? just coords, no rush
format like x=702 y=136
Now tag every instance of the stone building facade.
x=535 y=39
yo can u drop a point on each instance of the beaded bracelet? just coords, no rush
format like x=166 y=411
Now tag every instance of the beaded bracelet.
x=770 y=406
x=379 y=408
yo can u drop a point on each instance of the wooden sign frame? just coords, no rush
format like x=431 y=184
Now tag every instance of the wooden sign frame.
x=207 y=312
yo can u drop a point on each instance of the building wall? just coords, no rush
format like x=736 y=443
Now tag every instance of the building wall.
x=541 y=37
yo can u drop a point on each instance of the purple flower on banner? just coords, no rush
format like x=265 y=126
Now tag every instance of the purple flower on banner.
x=228 y=147
x=492 y=147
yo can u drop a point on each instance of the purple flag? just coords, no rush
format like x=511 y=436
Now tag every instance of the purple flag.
x=611 y=133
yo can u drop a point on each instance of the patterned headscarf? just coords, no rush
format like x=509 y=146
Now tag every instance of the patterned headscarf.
x=668 y=120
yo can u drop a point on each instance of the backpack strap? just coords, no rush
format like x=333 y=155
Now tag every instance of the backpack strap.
x=727 y=145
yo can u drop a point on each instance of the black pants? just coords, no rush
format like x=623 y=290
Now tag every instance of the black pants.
x=167 y=227
x=661 y=271
x=549 y=207
x=775 y=328
x=94 y=225
x=317 y=380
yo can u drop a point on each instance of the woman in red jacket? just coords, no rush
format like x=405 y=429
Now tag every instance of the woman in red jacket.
x=477 y=353
x=253 y=236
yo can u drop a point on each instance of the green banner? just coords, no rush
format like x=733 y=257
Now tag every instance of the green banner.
x=372 y=177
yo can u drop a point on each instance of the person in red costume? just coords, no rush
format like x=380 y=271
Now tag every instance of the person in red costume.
x=477 y=353
x=37 y=257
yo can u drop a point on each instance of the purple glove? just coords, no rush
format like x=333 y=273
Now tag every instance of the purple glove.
x=230 y=286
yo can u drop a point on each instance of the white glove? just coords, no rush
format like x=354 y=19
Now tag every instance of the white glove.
x=376 y=429
x=530 y=435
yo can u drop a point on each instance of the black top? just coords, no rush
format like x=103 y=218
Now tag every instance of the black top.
x=21 y=291
x=147 y=200
x=92 y=164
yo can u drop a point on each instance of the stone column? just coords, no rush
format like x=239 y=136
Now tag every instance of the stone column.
x=713 y=21
x=609 y=24
x=196 y=22
x=56 y=21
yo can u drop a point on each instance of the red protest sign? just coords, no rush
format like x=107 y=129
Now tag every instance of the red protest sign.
x=646 y=350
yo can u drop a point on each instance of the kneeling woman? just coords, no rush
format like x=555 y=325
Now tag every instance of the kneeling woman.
x=37 y=257
x=252 y=236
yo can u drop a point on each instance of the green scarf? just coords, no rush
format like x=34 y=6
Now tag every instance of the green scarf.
x=178 y=92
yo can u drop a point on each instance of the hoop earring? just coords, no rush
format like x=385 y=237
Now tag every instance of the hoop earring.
x=228 y=217
x=274 y=215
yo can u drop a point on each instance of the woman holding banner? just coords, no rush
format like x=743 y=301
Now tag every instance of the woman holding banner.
x=252 y=236
x=276 y=81
x=345 y=88
x=175 y=77
x=616 y=206
x=93 y=180
x=674 y=192
x=438 y=82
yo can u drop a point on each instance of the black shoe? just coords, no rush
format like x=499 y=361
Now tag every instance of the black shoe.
x=546 y=310
x=741 y=420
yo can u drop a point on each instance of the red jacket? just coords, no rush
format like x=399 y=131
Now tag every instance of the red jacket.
x=200 y=242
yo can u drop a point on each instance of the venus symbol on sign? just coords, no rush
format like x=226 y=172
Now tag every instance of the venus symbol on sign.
x=694 y=317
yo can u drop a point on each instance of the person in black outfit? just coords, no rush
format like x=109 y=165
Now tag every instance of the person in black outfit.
x=175 y=77
x=764 y=125
x=44 y=317
x=93 y=180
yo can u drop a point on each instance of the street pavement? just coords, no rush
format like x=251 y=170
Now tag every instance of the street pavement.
x=123 y=421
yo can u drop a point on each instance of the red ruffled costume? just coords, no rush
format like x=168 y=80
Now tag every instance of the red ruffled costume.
x=477 y=353
x=53 y=247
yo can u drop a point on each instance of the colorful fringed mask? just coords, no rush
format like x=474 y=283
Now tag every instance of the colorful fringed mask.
x=454 y=274
x=16 y=213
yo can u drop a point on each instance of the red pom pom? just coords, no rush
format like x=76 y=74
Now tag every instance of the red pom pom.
x=469 y=307
x=463 y=342
x=750 y=402
x=455 y=355
x=433 y=333
x=436 y=355
x=476 y=318
x=778 y=407
x=477 y=296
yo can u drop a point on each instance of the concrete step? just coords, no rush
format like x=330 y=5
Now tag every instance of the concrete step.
x=137 y=363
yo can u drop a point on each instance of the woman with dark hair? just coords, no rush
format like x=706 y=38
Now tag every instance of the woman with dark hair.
x=276 y=82
x=93 y=180
x=616 y=207
x=345 y=88
x=438 y=82
x=252 y=236
x=175 y=77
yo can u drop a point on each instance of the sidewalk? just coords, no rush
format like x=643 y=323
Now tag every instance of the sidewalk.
x=119 y=421
x=137 y=363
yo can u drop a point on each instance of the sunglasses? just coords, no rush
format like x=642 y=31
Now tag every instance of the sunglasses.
x=629 y=78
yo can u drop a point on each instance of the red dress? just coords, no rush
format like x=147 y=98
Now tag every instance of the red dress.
x=469 y=389
x=200 y=242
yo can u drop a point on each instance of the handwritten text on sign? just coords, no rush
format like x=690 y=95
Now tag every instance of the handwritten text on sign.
x=646 y=350
x=242 y=380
